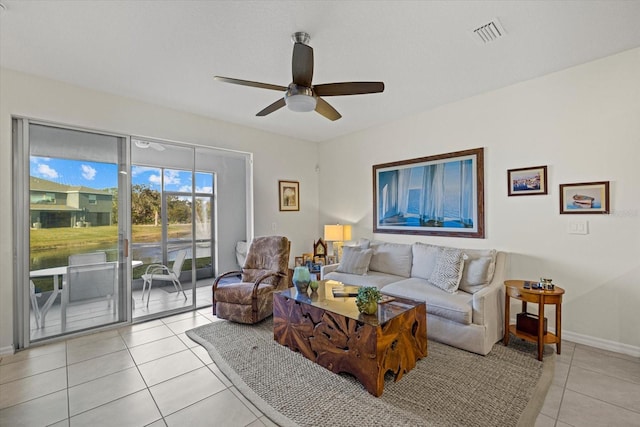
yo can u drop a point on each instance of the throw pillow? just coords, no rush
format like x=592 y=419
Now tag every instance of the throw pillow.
x=479 y=268
x=424 y=260
x=354 y=260
x=391 y=258
x=448 y=270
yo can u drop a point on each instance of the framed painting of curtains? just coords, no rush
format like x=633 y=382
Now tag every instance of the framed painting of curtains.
x=437 y=195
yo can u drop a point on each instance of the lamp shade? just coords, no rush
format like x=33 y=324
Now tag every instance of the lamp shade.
x=337 y=233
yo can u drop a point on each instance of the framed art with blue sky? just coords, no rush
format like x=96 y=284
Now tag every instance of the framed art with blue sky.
x=436 y=195
x=527 y=181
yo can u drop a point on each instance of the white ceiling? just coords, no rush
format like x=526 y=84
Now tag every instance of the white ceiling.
x=167 y=52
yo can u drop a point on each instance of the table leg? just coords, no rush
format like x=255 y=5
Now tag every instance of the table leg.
x=558 y=327
x=540 y=328
x=506 y=318
x=47 y=305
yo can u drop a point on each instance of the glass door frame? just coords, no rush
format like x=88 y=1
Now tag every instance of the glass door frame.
x=21 y=232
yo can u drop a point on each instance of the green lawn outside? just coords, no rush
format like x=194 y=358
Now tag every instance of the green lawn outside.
x=47 y=241
x=62 y=238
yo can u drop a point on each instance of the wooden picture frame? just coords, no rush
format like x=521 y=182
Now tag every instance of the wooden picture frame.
x=289 y=195
x=529 y=181
x=299 y=261
x=440 y=195
x=331 y=259
x=307 y=256
x=585 y=198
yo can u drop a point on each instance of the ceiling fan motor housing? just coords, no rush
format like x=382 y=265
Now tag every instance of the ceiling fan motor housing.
x=300 y=99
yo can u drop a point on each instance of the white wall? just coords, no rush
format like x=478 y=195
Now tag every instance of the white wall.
x=34 y=97
x=584 y=123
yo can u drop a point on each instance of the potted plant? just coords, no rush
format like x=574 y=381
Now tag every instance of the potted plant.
x=367 y=299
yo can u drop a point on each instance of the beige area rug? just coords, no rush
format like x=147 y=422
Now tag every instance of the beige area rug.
x=449 y=387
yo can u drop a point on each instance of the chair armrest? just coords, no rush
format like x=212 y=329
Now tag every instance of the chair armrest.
x=265 y=276
x=154 y=268
x=326 y=269
x=227 y=274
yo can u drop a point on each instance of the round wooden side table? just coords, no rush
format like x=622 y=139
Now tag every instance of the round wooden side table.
x=515 y=289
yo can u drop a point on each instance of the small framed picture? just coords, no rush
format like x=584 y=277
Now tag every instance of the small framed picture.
x=307 y=257
x=584 y=198
x=318 y=260
x=331 y=259
x=299 y=262
x=527 y=181
x=289 y=195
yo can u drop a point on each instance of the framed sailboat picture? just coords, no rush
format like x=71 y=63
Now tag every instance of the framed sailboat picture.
x=436 y=195
x=584 y=198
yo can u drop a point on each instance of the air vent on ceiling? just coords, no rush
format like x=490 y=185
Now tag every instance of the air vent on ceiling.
x=489 y=32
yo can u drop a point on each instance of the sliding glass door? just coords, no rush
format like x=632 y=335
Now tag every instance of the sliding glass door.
x=96 y=213
x=77 y=264
x=173 y=207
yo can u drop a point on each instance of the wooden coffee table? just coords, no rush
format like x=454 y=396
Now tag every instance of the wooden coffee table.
x=331 y=332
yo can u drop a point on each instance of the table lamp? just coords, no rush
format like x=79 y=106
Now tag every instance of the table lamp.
x=337 y=234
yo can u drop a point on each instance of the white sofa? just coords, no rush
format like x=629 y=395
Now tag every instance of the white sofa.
x=463 y=288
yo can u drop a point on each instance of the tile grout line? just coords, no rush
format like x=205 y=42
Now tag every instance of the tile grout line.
x=564 y=387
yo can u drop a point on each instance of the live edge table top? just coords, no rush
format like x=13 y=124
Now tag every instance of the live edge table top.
x=333 y=333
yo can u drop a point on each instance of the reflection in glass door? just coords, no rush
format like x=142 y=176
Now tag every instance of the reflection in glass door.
x=76 y=234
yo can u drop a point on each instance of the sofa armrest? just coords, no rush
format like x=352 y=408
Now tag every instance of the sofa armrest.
x=326 y=269
x=488 y=303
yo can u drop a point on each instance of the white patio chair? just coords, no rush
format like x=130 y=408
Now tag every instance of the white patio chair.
x=163 y=273
x=87 y=283
x=34 y=302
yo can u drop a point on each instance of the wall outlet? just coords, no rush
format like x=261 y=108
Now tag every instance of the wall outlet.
x=578 y=226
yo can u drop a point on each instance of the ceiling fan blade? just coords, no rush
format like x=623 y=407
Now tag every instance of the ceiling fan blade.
x=250 y=83
x=348 y=88
x=327 y=110
x=273 y=107
x=302 y=64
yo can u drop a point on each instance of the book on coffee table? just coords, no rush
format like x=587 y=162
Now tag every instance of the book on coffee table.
x=345 y=291
x=352 y=291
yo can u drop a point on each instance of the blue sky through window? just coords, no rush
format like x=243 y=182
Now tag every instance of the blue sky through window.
x=75 y=172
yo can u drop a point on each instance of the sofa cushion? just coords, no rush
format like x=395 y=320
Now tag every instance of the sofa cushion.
x=448 y=269
x=354 y=260
x=479 y=268
x=456 y=307
x=391 y=258
x=372 y=278
x=424 y=260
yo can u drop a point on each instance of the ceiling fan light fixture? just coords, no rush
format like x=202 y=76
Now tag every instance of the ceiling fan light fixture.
x=141 y=144
x=300 y=99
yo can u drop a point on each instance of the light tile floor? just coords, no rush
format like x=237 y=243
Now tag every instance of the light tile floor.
x=147 y=374
x=152 y=374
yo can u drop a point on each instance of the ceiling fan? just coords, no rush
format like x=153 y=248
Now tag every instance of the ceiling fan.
x=301 y=95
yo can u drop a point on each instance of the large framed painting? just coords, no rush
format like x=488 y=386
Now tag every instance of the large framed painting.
x=436 y=195
x=584 y=198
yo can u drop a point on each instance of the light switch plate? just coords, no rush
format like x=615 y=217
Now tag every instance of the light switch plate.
x=578 y=226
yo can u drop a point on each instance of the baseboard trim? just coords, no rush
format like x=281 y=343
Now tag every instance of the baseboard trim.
x=7 y=350
x=603 y=344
